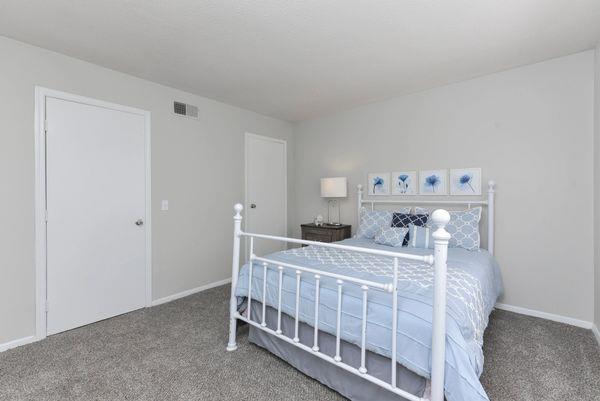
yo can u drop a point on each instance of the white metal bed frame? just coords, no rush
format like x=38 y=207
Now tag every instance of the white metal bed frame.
x=441 y=237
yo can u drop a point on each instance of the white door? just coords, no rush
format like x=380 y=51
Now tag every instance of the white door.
x=266 y=191
x=95 y=195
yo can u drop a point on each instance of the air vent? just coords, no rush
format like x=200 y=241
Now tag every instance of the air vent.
x=186 y=110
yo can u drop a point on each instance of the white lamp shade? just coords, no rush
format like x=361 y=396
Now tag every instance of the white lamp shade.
x=334 y=187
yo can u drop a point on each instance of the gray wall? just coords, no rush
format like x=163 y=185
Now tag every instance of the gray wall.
x=192 y=241
x=530 y=129
x=597 y=186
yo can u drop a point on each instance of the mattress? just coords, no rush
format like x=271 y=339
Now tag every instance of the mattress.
x=474 y=283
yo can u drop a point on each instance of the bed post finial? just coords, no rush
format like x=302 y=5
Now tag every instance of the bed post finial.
x=238 y=207
x=359 y=193
x=441 y=237
x=235 y=267
x=440 y=218
x=491 y=195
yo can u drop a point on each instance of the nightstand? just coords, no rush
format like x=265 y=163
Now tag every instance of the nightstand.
x=326 y=232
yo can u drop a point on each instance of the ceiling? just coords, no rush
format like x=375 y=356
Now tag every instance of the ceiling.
x=297 y=60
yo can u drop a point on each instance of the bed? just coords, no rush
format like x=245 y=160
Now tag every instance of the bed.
x=335 y=304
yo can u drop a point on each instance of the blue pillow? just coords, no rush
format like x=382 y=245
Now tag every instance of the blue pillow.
x=373 y=221
x=420 y=236
x=392 y=236
x=463 y=227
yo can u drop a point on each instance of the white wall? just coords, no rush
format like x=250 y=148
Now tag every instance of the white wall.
x=192 y=241
x=530 y=129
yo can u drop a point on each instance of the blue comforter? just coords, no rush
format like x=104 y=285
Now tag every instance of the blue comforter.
x=474 y=284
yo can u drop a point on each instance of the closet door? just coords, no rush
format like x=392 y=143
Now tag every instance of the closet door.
x=95 y=175
x=266 y=191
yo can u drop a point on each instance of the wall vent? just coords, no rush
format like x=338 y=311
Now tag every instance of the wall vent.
x=186 y=110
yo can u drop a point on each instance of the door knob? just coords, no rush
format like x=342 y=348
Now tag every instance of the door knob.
x=139 y=222
x=253 y=206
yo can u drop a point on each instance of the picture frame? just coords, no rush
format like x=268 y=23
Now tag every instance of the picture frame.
x=404 y=183
x=433 y=182
x=465 y=181
x=378 y=184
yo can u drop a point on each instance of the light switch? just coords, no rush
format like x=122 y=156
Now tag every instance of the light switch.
x=164 y=205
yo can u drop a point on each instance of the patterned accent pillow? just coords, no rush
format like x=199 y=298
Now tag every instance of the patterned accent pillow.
x=405 y=219
x=420 y=236
x=372 y=221
x=463 y=227
x=392 y=236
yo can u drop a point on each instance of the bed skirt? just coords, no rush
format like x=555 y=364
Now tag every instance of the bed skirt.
x=345 y=383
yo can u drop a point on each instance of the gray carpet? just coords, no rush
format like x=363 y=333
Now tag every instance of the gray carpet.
x=176 y=351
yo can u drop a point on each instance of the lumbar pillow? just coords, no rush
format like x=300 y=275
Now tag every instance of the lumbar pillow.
x=392 y=236
x=420 y=236
x=372 y=221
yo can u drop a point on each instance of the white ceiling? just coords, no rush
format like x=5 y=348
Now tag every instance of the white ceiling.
x=301 y=59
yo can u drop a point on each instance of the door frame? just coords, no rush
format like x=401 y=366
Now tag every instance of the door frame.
x=41 y=94
x=248 y=135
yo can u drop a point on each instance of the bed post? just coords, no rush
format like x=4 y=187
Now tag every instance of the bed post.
x=359 y=193
x=441 y=237
x=491 y=193
x=235 y=267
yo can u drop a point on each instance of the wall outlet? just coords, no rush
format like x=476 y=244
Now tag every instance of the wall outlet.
x=164 y=205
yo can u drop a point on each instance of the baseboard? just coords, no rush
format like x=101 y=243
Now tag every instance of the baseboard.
x=516 y=309
x=17 y=343
x=185 y=293
x=545 y=315
x=596 y=333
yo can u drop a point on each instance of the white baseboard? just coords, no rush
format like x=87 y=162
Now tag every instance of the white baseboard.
x=185 y=293
x=545 y=315
x=17 y=343
x=516 y=309
x=596 y=333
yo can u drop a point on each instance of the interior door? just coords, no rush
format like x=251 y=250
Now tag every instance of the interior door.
x=266 y=191
x=95 y=195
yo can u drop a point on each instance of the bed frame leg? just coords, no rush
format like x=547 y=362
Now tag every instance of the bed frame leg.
x=441 y=237
x=235 y=267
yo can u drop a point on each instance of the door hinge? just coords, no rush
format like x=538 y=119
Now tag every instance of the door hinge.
x=46 y=126
x=45 y=216
x=47 y=306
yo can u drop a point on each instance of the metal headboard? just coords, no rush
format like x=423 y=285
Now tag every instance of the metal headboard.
x=489 y=203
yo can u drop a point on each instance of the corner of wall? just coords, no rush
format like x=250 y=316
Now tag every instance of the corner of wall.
x=596 y=208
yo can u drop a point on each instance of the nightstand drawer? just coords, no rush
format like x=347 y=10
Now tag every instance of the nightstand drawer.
x=320 y=236
x=325 y=233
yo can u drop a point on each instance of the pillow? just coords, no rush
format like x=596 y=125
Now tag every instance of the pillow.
x=420 y=236
x=405 y=219
x=463 y=227
x=392 y=236
x=372 y=221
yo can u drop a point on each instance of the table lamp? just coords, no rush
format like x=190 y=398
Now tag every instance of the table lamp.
x=333 y=188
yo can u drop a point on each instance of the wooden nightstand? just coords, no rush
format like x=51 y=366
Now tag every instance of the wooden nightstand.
x=326 y=232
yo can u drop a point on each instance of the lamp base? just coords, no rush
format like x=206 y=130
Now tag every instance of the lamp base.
x=333 y=202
